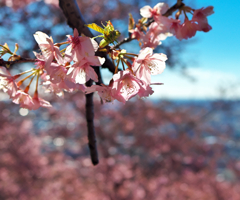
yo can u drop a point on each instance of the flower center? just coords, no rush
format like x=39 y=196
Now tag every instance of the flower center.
x=75 y=41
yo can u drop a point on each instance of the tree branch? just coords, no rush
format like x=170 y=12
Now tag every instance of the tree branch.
x=4 y=63
x=92 y=143
x=75 y=20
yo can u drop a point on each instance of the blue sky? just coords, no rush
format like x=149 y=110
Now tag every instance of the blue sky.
x=217 y=54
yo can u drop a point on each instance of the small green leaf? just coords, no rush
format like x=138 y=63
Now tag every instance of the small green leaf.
x=96 y=27
x=131 y=22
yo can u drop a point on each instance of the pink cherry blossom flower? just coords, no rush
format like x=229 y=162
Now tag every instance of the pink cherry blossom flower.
x=136 y=33
x=154 y=12
x=155 y=35
x=24 y=99
x=57 y=73
x=39 y=102
x=175 y=29
x=80 y=46
x=200 y=16
x=7 y=82
x=58 y=88
x=49 y=51
x=105 y=92
x=145 y=90
x=151 y=40
x=147 y=64
x=187 y=30
x=81 y=71
x=125 y=86
x=164 y=23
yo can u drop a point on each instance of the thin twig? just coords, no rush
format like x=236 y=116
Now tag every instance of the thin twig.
x=4 y=63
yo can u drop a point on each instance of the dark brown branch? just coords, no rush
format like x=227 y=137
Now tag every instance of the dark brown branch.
x=125 y=40
x=74 y=17
x=75 y=20
x=169 y=12
x=92 y=143
x=4 y=63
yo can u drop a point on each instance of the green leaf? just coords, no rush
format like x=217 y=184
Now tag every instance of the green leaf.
x=96 y=27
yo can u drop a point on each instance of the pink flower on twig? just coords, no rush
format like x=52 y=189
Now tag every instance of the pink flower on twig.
x=125 y=86
x=49 y=51
x=200 y=16
x=154 y=12
x=147 y=64
x=80 y=46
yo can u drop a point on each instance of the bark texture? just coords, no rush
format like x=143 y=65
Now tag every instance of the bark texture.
x=76 y=20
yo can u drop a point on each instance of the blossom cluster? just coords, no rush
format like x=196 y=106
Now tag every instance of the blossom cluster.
x=164 y=26
x=70 y=68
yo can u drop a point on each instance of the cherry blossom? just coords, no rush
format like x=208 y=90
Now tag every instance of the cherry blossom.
x=187 y=30
x=49 y=51
x=39 y=102
x=80 y=46
x=136 y=33
x=155 y=35
x=7 y=82
x=57 y=73
x=147 y=64
x=81 y=71
x=145 y=90
x=125 y=86
x=154 y=12
x=58 y=88
x=175 y=29
x=105 y=92
x=24 y=99
x=151 y=39
x=200 y=16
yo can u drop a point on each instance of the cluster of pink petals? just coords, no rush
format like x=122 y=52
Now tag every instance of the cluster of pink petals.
x=152 y=38
x=31 y=103
x=126 y=86
x=104 y=91
x=162 y=26
x=18 y=96
x=7 y=82
x=134 y=81
x=189 y=28
x=198 y=22
x=200 y=16
x=71 y=72
x=82 y=51
x=158 y=30
x=67 y=72
x=49 y=51
x=154 y=35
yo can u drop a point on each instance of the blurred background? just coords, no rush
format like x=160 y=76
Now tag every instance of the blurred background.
x=181 y=143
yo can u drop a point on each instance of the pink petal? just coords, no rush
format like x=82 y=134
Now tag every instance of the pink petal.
x=146 y=11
